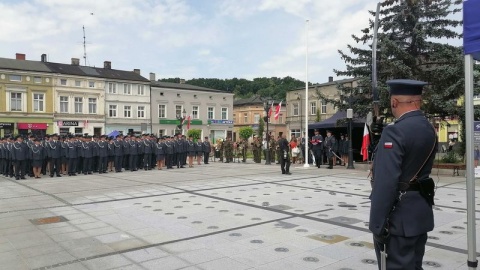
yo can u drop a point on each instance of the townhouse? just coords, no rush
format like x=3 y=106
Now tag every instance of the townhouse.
x=210 y=110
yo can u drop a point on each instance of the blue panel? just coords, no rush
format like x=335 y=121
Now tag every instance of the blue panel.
x=471 y=28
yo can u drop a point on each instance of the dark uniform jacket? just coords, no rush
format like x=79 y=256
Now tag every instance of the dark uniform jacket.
x=118 y=148
x=54 y=149
x=20 y=151
x=37 y=152
x=401 y=151
x=102 y=148
x=207 y=147
x=71 y=150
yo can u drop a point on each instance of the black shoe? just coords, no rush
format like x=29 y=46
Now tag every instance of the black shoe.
x=17 y=178
x=283 y=172
x=51 y=175
x=181 y=167
x=23 y=178
x=288 y=173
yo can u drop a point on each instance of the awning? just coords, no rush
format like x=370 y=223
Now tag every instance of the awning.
x=332 y=121
x=471 y=28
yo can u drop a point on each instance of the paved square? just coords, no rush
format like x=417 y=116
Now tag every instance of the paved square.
x=216 y=216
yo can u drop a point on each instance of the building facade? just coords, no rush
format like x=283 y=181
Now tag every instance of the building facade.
x=210 y=110
x=247 y=112
x=79 y=99
x=26 y=97
x=318 y=110
x=127 y=101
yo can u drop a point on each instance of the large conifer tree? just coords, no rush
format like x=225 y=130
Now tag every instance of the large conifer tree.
x=413 y=39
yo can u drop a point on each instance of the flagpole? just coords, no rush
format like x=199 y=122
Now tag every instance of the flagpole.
x=306 y=165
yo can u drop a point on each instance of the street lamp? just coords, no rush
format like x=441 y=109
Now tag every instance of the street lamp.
x=266 y=106
x=181 y=118
x=350 y=120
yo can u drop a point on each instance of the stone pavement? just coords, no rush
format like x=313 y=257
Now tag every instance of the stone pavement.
x=217 y=216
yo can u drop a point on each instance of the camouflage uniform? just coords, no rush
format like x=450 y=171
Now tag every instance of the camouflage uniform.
x=228 y=147
x=257 y=150
x=273 y=146
x=244 y=145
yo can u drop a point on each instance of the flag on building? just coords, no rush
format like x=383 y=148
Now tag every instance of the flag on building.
x=277 y=110
x=365 y=143
x=270 y=111
x=189 y=118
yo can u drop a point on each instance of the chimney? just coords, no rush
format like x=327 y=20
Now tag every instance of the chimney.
x=137 y=71
x=20 y=56
x=43 y=58
x=330 y=79
x=107 y=65
x=182 y=81
x=75 y=62
x=152 y=76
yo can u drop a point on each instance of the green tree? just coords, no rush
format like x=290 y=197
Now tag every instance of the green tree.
x=195 y=133
x=261 y=127
x=317 y=116
x=245 y=132
x=410 y=45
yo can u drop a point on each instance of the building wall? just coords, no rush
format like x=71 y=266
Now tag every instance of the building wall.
x=67 y=117
x=134 y=99
x=34 y=105
x=214 y=126
x=249 y=115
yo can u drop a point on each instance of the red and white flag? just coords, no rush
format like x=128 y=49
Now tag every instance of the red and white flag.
x=189 y=118
x=365 y=143
x=277 y=110
x=270 y=111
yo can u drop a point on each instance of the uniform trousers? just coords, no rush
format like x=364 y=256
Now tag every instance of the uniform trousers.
x=205 y=157
x=20 y=166
x=55 y=166
x=146 y=161
x=118 y=163
x=79 y=164
x=403 y=252
x=102 y=164
x=285 y=165
x=132 y=162
x=2 y=166
x=169 y=160
x=318 y=157
x=72 y=166
x=87 y=165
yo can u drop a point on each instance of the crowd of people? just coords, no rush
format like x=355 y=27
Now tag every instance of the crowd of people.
x=71 y=155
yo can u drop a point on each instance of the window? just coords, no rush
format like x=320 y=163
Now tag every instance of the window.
x=112 y=88
x=37 y=79
x=15 y=78
x=141 y=90
x=195 y=112
x=91 y=84
x=162 y=111
x=127 y=89
x=313 y=108
x=78 y=83
x=161 y=132
x=63 y=104
x=112 y=110
x=211 y=113
x=63 y=81
x=178 y=110
x=280 y=119
x=38 y=102
x=127 y=111
x=256 y=118
x=78 y=130
x=78 y=105
x=245 y=118
x=141 y=112
x=295 y=109
x=324 y=107
x=295 y=132
x=16 y=102
x=224 y=113
x=92 y=105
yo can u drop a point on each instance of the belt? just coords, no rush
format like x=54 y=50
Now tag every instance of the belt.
x=412 y=187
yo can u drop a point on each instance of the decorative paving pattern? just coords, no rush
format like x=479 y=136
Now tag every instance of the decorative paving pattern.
x=48 y=220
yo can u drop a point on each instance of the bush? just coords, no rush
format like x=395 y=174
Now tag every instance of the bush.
x=450 y=157
x=195 y=133
x=245 y=132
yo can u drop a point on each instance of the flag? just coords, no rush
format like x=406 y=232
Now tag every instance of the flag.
x=277 y=110
x=365 y=143
x=270 y=111
x=188 y=121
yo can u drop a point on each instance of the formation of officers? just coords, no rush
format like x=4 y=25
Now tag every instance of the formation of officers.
x=76 y=154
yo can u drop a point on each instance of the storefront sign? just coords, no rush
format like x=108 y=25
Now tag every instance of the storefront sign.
x=31 y=126
x=221 y=122
x=67 y=123
x=177 y=122
x=6 y=125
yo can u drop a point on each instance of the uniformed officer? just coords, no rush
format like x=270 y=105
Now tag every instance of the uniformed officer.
x=20 y=156
x=400 y=216
x=72 y=155
x=118 y=150
x=207 y=148
x=284 y=147
x=317 y=148
x=54 y=149
x=102 y=151
x=329 y=147
x=169 y=152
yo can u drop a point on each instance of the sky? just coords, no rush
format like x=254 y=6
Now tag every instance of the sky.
x=188 y=38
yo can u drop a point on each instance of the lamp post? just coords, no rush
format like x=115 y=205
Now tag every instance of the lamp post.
x=181 y=118
x=266 y=106
x=350 y=120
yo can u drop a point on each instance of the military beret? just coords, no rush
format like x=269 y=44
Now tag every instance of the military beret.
x=402 y=87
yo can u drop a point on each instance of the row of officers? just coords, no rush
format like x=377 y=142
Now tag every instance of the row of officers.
x=73 y=155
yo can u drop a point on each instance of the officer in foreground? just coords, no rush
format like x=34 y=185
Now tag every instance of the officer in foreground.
x=402 y=191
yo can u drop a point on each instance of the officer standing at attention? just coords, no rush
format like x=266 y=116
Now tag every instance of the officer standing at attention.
x=317 y=145
x=402 y=191
x=284 y=147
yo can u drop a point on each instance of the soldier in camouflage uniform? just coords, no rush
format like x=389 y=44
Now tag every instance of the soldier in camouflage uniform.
x=219 y=147
x=257 y=150
x=273 y=148
x=228 y=147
